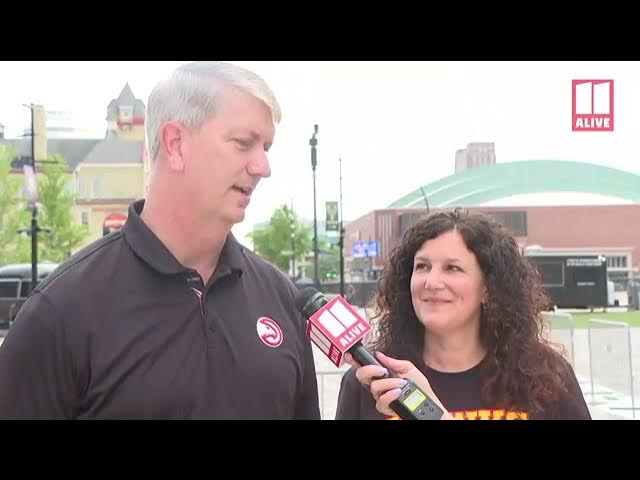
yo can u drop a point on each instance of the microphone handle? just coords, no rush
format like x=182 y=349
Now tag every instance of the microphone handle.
x=365 y=357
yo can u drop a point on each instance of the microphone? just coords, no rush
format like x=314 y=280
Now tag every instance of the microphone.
x=336 y=328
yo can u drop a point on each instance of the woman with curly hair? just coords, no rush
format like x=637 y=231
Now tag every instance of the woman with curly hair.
x=457 y=311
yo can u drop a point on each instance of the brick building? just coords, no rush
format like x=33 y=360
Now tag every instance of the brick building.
x=558 y=206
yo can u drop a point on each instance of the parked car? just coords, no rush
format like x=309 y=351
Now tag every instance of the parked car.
x=15 y=287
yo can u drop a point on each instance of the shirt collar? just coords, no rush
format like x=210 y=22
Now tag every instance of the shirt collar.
x=153 y=252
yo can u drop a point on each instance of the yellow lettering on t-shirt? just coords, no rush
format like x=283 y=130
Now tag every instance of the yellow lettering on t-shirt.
x=498 y=414
x=517 y=416
x=471 y=415
x=484 y=414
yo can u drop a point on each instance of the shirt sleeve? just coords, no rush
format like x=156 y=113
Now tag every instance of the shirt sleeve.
x=36 y=376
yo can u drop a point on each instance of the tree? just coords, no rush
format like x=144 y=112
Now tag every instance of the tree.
x=55 y=213
x=14 y=248
x=274 y=243
x=55 y=204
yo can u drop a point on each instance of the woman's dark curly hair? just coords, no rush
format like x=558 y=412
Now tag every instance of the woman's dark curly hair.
x=522 y=368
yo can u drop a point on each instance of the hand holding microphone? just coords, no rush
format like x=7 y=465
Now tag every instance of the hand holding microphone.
x=387 y=391
x=337 y=329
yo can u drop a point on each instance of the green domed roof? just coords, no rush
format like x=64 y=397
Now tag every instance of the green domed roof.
x=491 y=182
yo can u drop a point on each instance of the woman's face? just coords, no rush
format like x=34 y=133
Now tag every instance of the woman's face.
x=447 y=284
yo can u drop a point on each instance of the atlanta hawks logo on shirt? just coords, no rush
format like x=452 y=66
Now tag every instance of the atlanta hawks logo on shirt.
x=269 y=332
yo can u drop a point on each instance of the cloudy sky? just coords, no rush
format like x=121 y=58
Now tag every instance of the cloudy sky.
x=396 y=125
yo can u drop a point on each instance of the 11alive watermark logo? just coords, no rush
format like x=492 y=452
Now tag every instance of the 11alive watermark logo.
x=592 y=105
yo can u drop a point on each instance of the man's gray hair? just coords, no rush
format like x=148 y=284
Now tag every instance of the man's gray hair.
x=192 y=93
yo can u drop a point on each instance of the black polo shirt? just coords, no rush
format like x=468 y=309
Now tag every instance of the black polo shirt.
x=123 y=331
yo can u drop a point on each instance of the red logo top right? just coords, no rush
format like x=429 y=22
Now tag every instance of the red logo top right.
x=592 y=105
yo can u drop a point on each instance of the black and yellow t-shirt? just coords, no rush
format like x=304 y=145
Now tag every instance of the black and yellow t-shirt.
x=459 y=392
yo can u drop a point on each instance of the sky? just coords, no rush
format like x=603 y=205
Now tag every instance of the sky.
x=396 y=125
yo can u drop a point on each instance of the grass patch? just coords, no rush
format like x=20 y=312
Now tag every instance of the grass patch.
x=581 y=318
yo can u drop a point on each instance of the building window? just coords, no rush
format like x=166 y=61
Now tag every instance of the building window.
x=82 y=188
x=126 y=113
x=85 y=218
x=515 y=221
x=617 y=261
x=96 y=188
x=407 y=220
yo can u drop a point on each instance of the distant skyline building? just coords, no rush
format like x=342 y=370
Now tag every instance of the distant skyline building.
x=475 y=155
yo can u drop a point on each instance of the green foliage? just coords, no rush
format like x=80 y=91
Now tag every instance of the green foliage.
x=275 y=243
x=14 y=248
x=55 y=212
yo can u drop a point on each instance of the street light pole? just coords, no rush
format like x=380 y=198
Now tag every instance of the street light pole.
x=341 y=243
x=32 y=195
x=34 y=210
x=293 y=242
x=314 y=162
x=35 y=229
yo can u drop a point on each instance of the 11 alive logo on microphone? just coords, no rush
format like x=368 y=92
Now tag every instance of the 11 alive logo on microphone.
x=335 y=328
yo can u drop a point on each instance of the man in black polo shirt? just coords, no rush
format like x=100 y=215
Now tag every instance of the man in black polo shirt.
x=171 y=318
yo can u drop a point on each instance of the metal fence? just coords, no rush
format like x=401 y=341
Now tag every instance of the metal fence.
x=604 y=351
x=611 y=364
x=560 y=330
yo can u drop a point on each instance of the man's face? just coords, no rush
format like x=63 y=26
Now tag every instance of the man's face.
x=227 y=157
